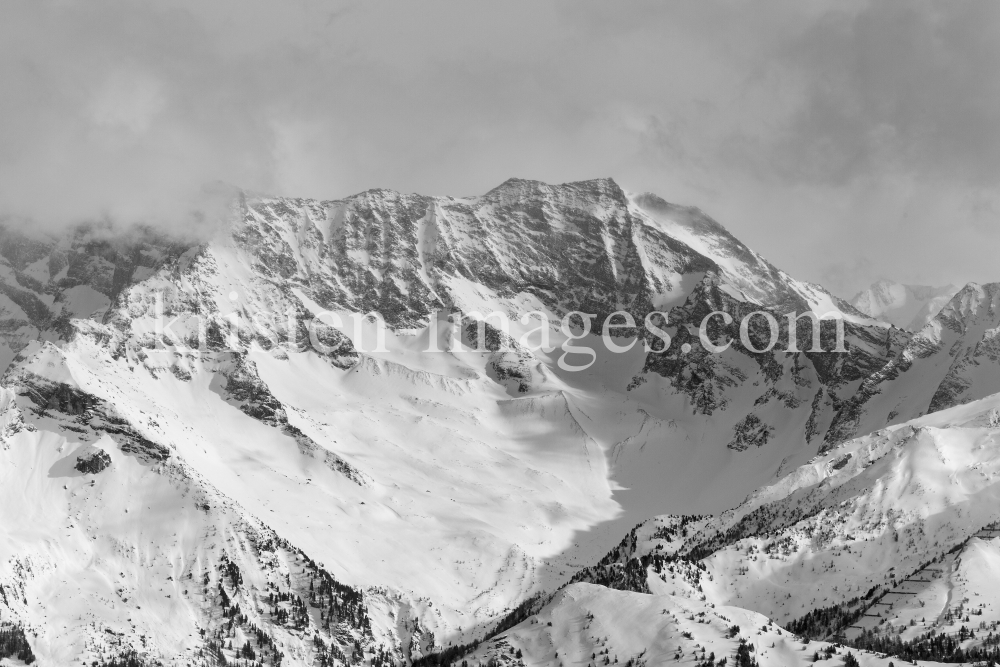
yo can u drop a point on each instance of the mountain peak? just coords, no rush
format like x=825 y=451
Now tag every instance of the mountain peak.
x=905 y=306
x=690 y=217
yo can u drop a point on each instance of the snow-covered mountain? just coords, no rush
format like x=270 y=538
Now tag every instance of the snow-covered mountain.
x=207 y=453
x=908 y=307
x=954 y=359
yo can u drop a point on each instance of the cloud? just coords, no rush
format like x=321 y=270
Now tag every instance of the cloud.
x=817 y=132
x=899 y=85
x=112 y=110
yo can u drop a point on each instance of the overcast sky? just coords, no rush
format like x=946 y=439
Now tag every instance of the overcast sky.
x=845 y=141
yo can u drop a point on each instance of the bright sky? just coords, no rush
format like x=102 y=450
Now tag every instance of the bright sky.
x=846 y=141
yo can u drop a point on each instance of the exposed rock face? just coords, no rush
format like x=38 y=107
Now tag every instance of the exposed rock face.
x=509 y=363
x=93 y=462
x=80 y=411
x=579 y=246
x=804 y=386
x=399 y=254
x=750 y=432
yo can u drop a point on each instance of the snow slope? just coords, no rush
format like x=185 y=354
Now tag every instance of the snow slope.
x=586 y=624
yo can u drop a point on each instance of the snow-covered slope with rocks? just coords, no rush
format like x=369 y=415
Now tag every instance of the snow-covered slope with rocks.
x=890 y=542
x=208 y=451
x=954 y=359
x=908 y=307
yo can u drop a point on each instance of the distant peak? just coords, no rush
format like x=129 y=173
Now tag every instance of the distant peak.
x=905 y=306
